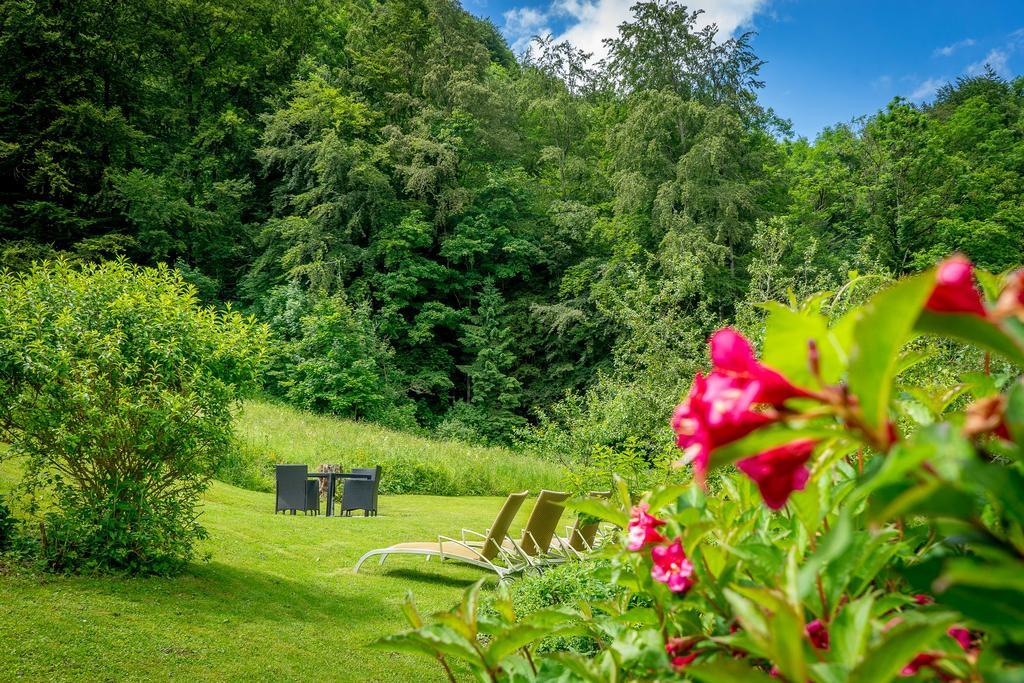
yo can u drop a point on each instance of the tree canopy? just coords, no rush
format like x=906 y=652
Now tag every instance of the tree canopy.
x=488 y=231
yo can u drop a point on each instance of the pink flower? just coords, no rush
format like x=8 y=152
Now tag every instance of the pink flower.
x=671 y=567
x=954 y=290
x=734 y=399
x=732 y=355
x=682 y=661
x=923 y=599
x=716 y=412
x=643 y=528
x=677 y=649
x=923 y=660
x=818 y=634
x=779 y=471
x=961 y=636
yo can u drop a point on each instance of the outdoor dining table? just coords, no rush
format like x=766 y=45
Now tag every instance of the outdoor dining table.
x=331 y=478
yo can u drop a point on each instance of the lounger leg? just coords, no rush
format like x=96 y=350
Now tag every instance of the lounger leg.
x=367 y=556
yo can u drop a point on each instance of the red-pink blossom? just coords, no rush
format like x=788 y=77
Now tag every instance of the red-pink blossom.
x=738 y=396
x=818 y=634
x=643 y=528
x=921 y=661
x=680 y=662
x=677 y=649
x=923 y=599
x=954 y=290
x=716 y=412
x=779 y=471
x=732 y=356
x=961 y=636
x=671 y=567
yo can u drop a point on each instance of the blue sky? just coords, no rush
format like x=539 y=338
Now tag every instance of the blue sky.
x=827 y=60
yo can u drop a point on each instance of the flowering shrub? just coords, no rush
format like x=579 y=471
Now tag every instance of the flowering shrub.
x=847 y=546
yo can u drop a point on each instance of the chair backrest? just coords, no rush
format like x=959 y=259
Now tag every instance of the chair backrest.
x=581 y=538
x=373 y=472
x=499 y=529
x=361 y=494
x=540 y=527
x=291 y=486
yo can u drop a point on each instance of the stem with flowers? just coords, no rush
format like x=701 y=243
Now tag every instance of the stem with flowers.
x=825 y=536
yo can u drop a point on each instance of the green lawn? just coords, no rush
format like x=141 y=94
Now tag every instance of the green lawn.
x=277 y=601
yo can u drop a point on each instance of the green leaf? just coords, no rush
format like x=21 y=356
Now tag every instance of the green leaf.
x=974 y=330
x=727 y=671
x=506 y=643
x=883 y=662
x=851 y=630
x=786 y=336
x=885 y=324
x=587 y=668
x=601 y=509
x=769 y=437
x=980 y=384
x=668 y=494
x=1014 y=413
x=411 y=614
x=432 y=640
x=832 y=546
x=933 y=498
x=909 y=359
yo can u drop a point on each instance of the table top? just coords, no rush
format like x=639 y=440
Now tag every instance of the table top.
x=343 y=475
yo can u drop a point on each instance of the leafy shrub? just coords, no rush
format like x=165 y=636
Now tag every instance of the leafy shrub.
x=328 y=358
x=566 y=585
x=7 y=526
x=247 y=466
x=117 y=388
x=630 y=462
x=840 y=548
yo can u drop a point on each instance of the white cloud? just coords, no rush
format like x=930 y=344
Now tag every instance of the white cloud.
x=522 y=24
x=589 y=22
x=950 y=49
x=926 y=89
x=997 y=59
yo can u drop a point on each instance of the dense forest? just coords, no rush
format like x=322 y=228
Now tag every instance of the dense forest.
x=445 y=236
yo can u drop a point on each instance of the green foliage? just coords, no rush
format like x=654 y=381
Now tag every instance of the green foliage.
x=117 y=388
x=893 y=556
x=514 y=231
x=569 y=585
x=8 y=525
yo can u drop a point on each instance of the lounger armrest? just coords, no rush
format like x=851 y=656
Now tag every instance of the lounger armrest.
x=470 y=532
x=443 y=539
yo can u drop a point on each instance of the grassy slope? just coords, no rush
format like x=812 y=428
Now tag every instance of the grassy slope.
x=285 y=434
x=277 y=601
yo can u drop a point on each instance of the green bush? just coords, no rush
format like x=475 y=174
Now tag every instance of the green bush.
x=247 y=466
x=565 y=585
x=117 y=388
x=7 y=526
x=328 y=357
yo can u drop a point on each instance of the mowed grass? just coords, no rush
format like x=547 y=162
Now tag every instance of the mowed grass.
x=277 y=601
x=279 y=433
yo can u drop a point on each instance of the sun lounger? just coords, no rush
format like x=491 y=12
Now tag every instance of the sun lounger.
x=538 y=533
x=491 y=554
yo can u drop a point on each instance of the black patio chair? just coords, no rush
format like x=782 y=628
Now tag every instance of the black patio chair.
x=361 y=494
x=296 y=491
